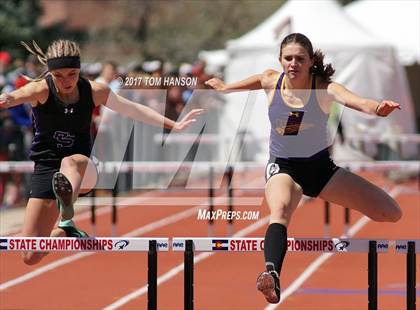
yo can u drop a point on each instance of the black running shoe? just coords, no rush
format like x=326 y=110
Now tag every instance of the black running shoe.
x=268 y=283
x=64 y=193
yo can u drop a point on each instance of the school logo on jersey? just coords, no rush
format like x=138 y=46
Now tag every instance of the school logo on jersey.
x=64 y=139
x=292 y=130
x=294 y=124
x=294 y=114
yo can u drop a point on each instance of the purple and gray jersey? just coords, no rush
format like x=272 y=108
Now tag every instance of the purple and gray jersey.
x=297 y=132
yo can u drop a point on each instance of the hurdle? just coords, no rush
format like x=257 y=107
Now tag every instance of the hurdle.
x=410 y=248
x=93 y=212
x=103 y=245
x=114 y=211
x=327 y=220
x=211 y=200
x=331 y=245
x=229 y=174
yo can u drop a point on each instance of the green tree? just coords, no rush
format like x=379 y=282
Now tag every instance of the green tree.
x=19 y=22
x=175 y=30
x=179 y=29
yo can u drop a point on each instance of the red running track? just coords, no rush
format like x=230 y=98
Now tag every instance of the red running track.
x=222 y=280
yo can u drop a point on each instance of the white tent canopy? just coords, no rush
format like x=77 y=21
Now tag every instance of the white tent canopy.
x=322 y=21
x=215 y=60
x=365 y=64
x=395 y=21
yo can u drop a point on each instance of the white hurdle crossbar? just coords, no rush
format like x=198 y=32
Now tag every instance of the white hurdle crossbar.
x=48 y=244
x=331 y=245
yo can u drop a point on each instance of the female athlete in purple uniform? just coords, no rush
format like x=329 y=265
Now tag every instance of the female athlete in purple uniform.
x=62 y=104
x=300 y=99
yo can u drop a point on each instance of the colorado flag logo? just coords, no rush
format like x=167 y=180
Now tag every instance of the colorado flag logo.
x=3 y=244
x=220 y=245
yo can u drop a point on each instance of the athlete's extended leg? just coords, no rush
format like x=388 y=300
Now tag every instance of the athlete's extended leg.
x=352 y=191
x=282 y=195
x=67 y=183
x=40 y=218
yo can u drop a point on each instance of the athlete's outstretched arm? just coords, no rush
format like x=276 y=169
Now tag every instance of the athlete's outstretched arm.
x=33 y=92
x=141 y=113
x=341 y=94
x=264 y=81
x=251 y=83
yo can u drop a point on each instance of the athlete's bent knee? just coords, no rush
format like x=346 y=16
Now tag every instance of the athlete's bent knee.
x=30 y=258
x=68 y=162
x=391 y=214
x=395 y=214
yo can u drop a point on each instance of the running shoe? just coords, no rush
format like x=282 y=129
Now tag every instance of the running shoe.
x=64 y=193
x=71 y=230
x=268 y=283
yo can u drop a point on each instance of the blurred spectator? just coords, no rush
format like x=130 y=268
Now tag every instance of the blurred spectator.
x=174 y=104
x=11 y=148
x=16 y=125
x=21 y=116
x=109 y=76
x=16 y=137
x=91 y=71
x=11 y=138
x=5 y=60
x=153 y=67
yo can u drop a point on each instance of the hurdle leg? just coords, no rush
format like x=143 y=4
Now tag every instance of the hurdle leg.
x=411 y=276
x=114 y=213
x=211 y=201
x=326 y=219
x=346 y=221
x=152 y=276
x=93 y=213
x=372 y=276
x=230 y=203
x=189 y=275
x=114 y=206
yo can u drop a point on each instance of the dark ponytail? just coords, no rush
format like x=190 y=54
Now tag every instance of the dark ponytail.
x=319 y=69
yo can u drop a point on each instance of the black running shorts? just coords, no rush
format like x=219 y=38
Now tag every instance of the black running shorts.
x=311 y=173
x=41 y=181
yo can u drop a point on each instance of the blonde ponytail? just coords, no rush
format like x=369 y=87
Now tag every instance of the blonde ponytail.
x=57 y=49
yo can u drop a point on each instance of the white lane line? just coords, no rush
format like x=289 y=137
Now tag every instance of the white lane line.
x=139 y=231
x=43 y=269
x=176 y=270
x=312 y=268
x=86 y=213
x=134 y=233
x=197 y=258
